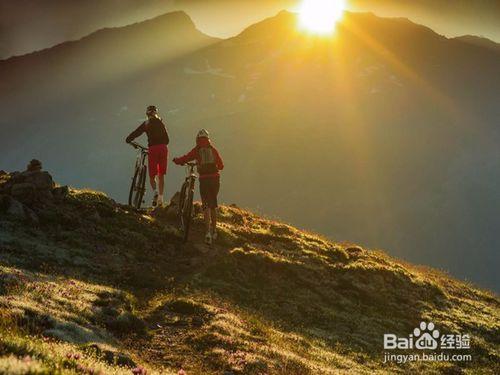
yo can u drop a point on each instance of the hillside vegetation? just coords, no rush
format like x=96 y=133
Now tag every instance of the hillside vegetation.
x=91 y=286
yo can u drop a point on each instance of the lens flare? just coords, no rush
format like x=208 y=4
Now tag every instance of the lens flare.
x=320 y=16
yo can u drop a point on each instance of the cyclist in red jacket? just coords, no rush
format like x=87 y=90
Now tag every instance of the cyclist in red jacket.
x=209 y=164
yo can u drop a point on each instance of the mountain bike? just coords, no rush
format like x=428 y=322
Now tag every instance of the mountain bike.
x=138 y=186
x=185 y=209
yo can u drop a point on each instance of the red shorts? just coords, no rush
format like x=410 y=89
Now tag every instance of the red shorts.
x=157 y=160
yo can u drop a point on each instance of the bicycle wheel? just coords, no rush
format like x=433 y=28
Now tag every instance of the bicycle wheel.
x=141 y=187
x=133 y=187
x=188 y=211
x=182 y=198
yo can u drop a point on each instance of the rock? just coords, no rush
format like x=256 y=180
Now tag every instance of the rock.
x=16 y=208
x=41 y=180
x=19 y=210
x=16 y=177
x=23 y=192
x=5 y=183
x=59 y=193
x=169 y=211
x=4 y=202
x=31 y=216
x=34 y=165
x=44 y=196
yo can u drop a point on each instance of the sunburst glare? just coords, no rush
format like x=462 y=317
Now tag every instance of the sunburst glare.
x=320 y=16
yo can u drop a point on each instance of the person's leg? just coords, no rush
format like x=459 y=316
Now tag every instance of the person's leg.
x=214 y=192
x=207 y=216
x=161 y=185
x=204 y=193
x=152 y=181
x=153 y=168
x=162 y=170
x=213 y=217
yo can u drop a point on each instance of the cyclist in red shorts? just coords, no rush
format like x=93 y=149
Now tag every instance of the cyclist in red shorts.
x=209 y=164
x=158 y=151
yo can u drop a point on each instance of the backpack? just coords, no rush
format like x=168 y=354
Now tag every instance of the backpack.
x=206 y=161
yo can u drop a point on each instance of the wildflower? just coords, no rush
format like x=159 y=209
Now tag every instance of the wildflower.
x=139 y=371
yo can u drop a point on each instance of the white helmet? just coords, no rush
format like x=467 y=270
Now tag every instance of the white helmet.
x=203 y=133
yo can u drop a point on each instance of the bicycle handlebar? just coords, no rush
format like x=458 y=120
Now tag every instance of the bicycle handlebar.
x=137 y=145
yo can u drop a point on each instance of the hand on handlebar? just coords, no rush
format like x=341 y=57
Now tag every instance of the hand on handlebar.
x=177 y=161
x=137 y=145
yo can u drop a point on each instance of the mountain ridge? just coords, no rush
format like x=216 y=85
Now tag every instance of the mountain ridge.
x=291 y=16
x=180 y=16
x=479 y=41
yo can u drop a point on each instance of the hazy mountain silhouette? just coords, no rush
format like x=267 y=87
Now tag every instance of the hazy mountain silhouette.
x=479 y=41
x=386 y=134
x=31 y=25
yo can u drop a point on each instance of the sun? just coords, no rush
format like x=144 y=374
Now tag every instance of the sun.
x=320 y=16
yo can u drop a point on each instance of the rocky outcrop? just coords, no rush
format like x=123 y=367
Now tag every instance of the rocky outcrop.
x=22 y=194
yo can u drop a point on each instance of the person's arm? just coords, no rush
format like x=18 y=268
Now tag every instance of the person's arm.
x=136 y=133
x=191 y=155
x=166 y=132
x=218 y=160
x=168 y=138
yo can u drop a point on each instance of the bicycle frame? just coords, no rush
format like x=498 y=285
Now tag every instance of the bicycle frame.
x=138 y=187
x=186 y=200
x=191 y=174
x=141 y=158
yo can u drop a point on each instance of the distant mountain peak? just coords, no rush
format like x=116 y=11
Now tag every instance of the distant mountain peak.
x=178 y=16
x=179 y=20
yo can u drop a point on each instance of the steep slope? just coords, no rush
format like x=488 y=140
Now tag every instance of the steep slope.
x=392 y=128
x=88 y=285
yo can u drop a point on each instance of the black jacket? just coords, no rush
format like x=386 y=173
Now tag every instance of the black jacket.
x=154 y=129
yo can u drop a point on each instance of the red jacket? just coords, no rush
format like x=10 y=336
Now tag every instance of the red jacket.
x=195 y=155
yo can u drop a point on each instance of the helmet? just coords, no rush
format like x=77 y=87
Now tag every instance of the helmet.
x=151 y=110
x=203 y=133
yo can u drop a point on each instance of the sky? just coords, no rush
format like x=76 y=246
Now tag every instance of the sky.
x=28 y=25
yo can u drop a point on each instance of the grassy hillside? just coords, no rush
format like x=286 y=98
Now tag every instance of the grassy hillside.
x=90 y=286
